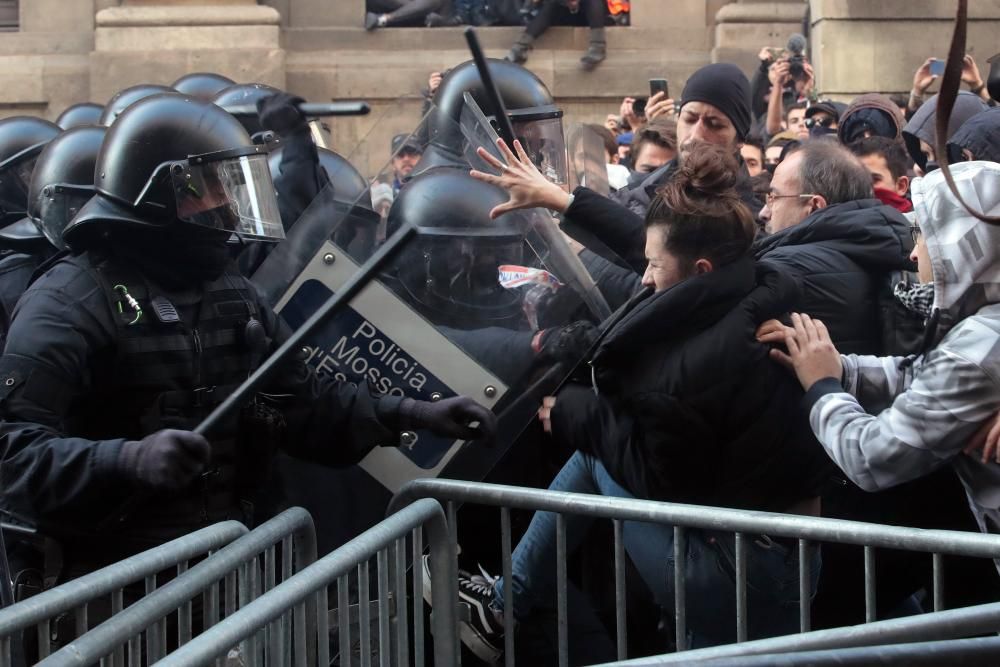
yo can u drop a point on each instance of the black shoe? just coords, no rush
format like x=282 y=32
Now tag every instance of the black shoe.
x=482 y=633
x=371 y=20
x=594 y=56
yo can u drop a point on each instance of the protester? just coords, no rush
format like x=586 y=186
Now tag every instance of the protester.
x=752 y=152
x=867 y=116
x=823 y=119
x=923 y=80
x=795 y=120
x=920 y=134
x=781 y=76
x=683 y=407
x=977 y=139
x=405 y=156
x=886 y=420
x=591 y=13
x=887 y=162
x=778 y=147
x=653 y=146
x=827 y=229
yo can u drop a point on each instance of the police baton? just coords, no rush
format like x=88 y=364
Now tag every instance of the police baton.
x=504 y=127
x=309 y=109
x=357 y=282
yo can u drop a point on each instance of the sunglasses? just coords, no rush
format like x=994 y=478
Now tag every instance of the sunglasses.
x=915 y=233
x=822 y=122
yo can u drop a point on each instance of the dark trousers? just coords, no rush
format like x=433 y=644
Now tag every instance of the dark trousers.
x=403 y=12
x=591 y=13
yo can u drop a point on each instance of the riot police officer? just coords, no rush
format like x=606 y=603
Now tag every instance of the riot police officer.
x=202 y=85
x=123 y=348
x=22 y=246
x=126 y=97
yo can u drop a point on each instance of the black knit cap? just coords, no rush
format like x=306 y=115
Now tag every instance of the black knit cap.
x=726 y=88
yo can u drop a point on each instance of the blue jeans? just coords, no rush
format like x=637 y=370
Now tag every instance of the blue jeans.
x=773 y=569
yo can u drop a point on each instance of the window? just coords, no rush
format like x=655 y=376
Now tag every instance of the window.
x=8 y=14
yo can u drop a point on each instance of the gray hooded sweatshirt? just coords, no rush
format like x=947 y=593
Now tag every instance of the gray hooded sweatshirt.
x=887 y=422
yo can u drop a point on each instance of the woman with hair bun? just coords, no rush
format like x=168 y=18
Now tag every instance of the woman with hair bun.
x=682 y=404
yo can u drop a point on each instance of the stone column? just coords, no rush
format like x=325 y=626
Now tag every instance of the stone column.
x=861 y=47
x=44 y=64
x=157 y=41
x=743 y=27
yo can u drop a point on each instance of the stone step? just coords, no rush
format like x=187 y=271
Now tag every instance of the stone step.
x=320 y=75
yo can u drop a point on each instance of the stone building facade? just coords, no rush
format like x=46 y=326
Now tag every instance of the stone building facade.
x=65 y=51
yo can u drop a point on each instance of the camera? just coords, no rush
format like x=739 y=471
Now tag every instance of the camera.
x=796 y=61
x=796 y=67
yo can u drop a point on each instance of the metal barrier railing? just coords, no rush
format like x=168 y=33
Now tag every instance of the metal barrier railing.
x=881 y=642
x=743 y=523
x=74 y=596
x=243 y=578
x=354 y=556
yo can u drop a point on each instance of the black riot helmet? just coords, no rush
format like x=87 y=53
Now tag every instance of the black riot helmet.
x=451 y=271
x=76 y=115
x=524 y=95
x=22 y=139
x=242 y=94
x=171 y=158
x=63 y=180
x=123 y=99
x=348 y=183
x=202 y=86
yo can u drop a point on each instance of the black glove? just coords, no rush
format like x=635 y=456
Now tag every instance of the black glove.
x=449 y=417
x=280 y=113
x=567 y=344
x=167 y=460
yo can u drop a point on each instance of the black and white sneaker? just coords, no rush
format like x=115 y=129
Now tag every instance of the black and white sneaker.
x=482 y=633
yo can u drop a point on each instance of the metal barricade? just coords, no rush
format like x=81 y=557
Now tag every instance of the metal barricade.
x=387 y=543
x=228 y=580
x=921 y=639
x=743 y=523
x=73 y=597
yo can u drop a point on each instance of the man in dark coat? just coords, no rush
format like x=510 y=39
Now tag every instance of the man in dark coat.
x=829 y=232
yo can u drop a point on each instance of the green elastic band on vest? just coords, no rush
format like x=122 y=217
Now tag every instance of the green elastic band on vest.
x=133 y=304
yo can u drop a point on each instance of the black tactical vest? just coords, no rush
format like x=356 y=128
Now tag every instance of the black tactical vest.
x=177 y=356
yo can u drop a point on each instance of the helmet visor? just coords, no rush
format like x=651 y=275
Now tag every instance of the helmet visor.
x=14 y=182
x=233 y=194
x=541 y=135
x=56 y=206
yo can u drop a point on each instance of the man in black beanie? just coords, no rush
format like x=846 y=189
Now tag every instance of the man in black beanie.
x=715 y=109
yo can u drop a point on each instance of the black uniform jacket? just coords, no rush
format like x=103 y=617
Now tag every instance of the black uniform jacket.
x=56 y=383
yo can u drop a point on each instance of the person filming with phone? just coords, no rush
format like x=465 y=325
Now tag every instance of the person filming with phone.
x=932 y=70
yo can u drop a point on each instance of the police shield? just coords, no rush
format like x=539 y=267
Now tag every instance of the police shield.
x=471 y=306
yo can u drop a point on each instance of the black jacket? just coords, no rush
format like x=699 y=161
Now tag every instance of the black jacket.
x=64 y=425
x=843 y=256
x=690 y=407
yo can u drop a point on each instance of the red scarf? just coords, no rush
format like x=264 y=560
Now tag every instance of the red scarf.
x=890 y=198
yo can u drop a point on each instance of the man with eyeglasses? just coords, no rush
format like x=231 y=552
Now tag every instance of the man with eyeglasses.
x=826 y=226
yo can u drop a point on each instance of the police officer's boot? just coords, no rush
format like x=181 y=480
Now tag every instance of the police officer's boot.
x=596 y=52
x=518 y=53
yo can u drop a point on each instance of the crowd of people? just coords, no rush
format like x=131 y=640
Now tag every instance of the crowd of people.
x=804 y=314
